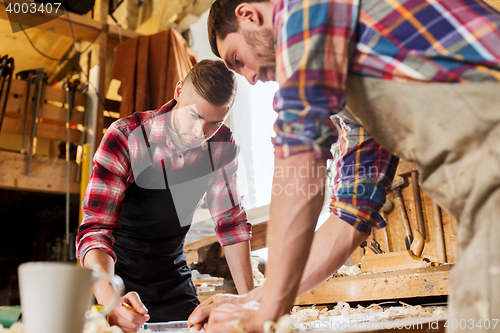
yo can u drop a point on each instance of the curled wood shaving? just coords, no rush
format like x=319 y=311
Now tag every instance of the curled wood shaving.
x=258 y=277
x=282 y=326
x=347 y=271
x=374 y=312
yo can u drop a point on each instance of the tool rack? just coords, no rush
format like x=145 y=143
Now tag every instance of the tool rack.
x=49 y=173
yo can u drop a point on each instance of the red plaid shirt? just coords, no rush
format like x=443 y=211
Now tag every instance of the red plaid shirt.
x=113 y=174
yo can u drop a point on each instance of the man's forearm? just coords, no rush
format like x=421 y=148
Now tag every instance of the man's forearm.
x=295 y=207
x=239 y=261
x=333 y=243
x=97 y=259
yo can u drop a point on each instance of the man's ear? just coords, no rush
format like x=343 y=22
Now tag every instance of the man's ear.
x=178 y=90
x=247 y=14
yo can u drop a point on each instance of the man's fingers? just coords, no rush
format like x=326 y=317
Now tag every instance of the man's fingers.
x=219 y=328
x=132 y=298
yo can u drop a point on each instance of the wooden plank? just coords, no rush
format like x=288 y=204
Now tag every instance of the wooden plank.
x=257 y=242
x=258 y=217
x=51 y=113
x=18 y=87
x=47 y=174
x=409 y=283
x=44 y=130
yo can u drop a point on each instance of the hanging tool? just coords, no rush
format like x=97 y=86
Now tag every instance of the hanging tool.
x=375 y=245
x=70 y=88
x=386 y=209
x=417 y=247
x=454 y=225
x=440 y=245
x=397 y=184
x=6 y=70
x=27 y=76
x=39 y=80
x=418 y=203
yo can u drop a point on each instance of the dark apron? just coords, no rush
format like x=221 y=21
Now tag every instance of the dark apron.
x=149 y=244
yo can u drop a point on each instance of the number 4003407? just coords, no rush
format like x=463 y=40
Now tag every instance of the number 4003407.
x=33 y=8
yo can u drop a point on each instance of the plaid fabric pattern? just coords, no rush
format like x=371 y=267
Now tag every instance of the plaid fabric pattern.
x=113 y=174
x=365 y=172
x=319 y=41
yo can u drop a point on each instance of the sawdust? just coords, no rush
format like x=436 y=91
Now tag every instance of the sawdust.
x=347 y=271
x=374 y=312
x=97 y=324
x=258 y=277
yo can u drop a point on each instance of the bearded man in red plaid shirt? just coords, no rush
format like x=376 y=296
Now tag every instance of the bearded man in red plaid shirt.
x=150 y=173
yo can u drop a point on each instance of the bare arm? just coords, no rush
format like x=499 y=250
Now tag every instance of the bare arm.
x=333 y=243
x=239 y=261
x=295 y=207
x=126 y=319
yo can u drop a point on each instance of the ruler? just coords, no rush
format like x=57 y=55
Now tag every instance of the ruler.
x=170 y=326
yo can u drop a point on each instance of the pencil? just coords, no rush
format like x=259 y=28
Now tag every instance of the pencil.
x=128 y=307
x=208 y=303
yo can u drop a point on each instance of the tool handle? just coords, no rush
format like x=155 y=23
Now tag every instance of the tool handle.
x=441 y=251
x=418 y=203
x=418 y=243
x=403 y=217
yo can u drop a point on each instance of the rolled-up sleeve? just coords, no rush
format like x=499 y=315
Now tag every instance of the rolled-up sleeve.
x=223 y=197
x=311 y=61
x=101 y=204
x=365 y=172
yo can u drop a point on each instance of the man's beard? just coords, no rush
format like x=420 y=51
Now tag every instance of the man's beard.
x=263 y=44
x=184 y=137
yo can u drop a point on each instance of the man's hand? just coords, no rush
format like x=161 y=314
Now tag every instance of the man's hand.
x=129 y=320
x=228 y=317
x=200 y=316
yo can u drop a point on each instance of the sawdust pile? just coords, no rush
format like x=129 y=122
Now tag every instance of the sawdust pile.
x=374 y=312
x=258 y=277
x=347 y=271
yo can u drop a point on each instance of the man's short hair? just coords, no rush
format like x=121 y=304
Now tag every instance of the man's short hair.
x=214 y=82
x=222 y=20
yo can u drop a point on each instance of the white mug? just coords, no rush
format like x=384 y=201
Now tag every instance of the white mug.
x=56 y=296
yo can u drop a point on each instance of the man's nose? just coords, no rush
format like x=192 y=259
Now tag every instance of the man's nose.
x=199 y=128
x=250 y=75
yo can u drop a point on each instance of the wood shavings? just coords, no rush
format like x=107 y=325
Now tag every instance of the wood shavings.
x=14 y=328
x=282 y=326
x=258 y=277
x=99 y=324
x=374 y=312
x=306 y=314
x=347 y=271
x=95 y=324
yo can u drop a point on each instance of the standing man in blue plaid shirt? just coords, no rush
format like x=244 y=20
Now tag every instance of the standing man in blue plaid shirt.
x=420 y=80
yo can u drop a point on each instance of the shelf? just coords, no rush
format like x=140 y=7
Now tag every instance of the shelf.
x=47 y=174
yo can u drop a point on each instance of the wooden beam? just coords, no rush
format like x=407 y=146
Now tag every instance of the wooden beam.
x=47 y=174
x=258 y=217
x=408 y=283
x=44 y=130
x=85 y=28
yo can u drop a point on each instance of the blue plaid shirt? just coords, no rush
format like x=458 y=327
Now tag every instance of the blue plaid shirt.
x=319 y=41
